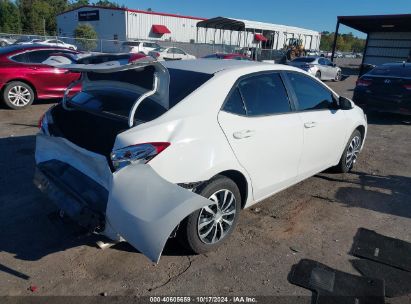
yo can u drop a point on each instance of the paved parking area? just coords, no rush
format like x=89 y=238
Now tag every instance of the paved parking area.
x=315 y=219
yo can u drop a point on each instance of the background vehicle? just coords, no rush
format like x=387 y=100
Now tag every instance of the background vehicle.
x=56 y=42
x=143 y=47
x=294 y=48
x=170 y=53
x=5 y=42
x=29 y=40
x=320 y=67
x=193 y=151
x=228 y=56
x=23 y=76
x=386 y=88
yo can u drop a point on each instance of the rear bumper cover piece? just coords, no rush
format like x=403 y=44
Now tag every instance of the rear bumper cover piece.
x=142 y=207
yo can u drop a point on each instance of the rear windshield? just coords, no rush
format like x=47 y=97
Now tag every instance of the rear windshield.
x=392 y=70
x=118 y=102
x=182 y=83
x=304 y=59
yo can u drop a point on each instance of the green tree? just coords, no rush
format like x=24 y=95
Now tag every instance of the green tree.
x=9 y=17
x=78 y=3
x=83 y=32
x=345 y=42
x=107 y=3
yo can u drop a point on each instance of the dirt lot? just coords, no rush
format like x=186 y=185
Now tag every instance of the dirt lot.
x=315 y=219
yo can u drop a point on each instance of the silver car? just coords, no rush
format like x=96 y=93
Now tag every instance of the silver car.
x=320 y=67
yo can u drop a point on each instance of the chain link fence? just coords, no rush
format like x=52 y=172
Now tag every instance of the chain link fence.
x=117 y=46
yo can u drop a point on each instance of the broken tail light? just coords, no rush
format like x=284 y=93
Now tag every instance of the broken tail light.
x=137 y=154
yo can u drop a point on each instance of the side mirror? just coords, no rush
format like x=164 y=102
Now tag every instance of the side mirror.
x=344 y=103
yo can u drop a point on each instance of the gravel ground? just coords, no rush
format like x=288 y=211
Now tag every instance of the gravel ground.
x=315 y=219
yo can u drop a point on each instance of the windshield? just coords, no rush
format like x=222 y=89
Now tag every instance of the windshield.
x=399 y=70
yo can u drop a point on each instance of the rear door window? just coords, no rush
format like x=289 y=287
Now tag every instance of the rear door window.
x=234 y=103
x=264 y=95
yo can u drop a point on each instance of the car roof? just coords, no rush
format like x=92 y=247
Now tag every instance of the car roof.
x=208 y=66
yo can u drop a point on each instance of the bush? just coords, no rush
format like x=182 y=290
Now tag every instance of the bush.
x=83 y=32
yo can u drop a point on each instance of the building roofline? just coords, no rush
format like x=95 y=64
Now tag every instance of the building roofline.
x=133 y=11
x=375 y=16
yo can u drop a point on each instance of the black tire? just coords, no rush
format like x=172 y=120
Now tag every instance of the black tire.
x=189 y=233
x=18 y=86
x=318 y=75
x=338 y=76
x=344 y=166
x=2 y=44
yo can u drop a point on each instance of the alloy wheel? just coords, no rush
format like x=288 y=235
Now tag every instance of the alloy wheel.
x=353 y=151
x=338 y=76
x=19 y=96
x=216 y=220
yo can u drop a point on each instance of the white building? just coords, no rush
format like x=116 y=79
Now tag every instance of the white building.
x=129 y=24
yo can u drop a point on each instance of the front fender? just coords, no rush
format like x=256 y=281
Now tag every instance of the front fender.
x=144 y=208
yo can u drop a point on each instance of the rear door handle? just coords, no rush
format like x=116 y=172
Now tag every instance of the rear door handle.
x=243 y=134
x=311 y=124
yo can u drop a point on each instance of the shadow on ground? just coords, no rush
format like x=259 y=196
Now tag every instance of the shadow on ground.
x=30 y=227
x=385 y=194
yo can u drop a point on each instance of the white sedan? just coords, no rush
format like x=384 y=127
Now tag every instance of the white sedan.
x=56 y=42
x=148 y=151
x=171 y=53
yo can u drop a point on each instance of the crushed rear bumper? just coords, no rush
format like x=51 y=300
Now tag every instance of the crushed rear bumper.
x=133 y=204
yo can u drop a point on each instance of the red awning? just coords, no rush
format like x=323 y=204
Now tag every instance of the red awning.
x=260 y=37
x=160 y=29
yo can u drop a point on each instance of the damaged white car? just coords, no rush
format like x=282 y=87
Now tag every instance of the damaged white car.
x=148 y=150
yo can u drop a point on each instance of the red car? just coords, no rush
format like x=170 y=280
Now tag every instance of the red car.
x=23 y=77
x=228 y=56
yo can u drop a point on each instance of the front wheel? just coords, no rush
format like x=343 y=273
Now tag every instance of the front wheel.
x=318 y=75
x=18 y=95
x=338 y=76
x=351 y=152
x=206 y=229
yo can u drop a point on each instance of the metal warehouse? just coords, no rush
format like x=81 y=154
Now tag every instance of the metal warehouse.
x=128 y=24
x=388 y=37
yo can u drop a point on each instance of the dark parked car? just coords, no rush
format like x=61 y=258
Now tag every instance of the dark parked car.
x=386 y=88
x=23 y=76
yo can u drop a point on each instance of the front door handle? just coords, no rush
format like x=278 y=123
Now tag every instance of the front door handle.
x=311 y=124
x=243 y=134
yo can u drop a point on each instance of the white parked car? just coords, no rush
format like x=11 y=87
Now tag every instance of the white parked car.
x=57 y=42
x=320 y=67
x=49 y=42
x=170 y=53
x=143 y=47
x=157 y=150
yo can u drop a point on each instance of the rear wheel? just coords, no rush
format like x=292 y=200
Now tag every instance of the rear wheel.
x=18 y=95
x=207 y=228
x=351 y=152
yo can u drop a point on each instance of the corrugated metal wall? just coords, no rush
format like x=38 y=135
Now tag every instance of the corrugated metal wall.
x=387 y=47
x=116 y=24
x=139 y=26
